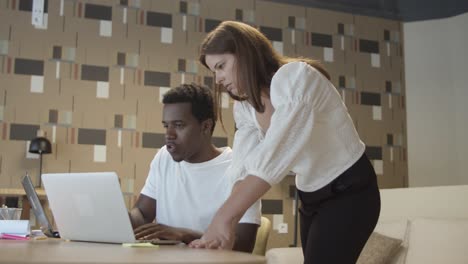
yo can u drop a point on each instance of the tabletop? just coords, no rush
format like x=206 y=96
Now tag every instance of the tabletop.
x=66 y=252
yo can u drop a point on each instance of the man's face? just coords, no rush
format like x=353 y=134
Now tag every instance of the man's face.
x=185 y=136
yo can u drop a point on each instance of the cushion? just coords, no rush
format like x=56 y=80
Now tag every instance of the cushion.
x=379 y=249
x=397 y=229
x=438 y=241
x=291 y=255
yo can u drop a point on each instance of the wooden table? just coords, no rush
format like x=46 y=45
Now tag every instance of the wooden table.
x=62 y=252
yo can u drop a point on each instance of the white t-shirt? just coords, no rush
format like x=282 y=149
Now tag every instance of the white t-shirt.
x=189 y=194
x=310 y=133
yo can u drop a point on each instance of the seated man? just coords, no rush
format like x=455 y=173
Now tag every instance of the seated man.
x=186 y=183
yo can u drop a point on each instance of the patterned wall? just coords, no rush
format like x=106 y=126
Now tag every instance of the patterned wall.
x=90 y=78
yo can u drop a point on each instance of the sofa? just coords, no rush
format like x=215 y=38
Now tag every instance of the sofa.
x=416 y=225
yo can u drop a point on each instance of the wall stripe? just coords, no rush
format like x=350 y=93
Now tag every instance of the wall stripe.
x=219 y=141
x=26 y=5
x=370 y=98
x=275 y=34
x=368 y=46
x=4 y=131
x=374 y=153
x=272 y=206
x=94 y=73
x=211 y=24
x=153 y=78
x=153 y=140
x=29 y=67
x=321 y=40
x=91 y=136
x=100 y=12
x=157 y=19
x=23 y=131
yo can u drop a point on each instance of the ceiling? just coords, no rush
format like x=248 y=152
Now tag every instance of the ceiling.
x=404 y=10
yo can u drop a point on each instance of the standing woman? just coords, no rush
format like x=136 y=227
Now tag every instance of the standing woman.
x=289 y=117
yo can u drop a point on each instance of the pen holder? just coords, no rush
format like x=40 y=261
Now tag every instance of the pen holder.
x=10 y=213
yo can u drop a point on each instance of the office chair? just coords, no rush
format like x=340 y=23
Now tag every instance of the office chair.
x=262 y=237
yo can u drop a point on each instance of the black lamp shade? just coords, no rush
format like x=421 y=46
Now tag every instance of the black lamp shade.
x=40 y=145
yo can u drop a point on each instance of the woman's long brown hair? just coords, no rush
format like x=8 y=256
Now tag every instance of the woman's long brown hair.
x=256 y=60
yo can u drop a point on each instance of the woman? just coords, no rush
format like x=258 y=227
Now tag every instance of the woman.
x=290 y=117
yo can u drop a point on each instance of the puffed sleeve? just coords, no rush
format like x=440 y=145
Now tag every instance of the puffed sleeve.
x=298 y=93
x=247 y=136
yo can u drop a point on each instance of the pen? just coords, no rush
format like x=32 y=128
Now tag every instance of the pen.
x=13 y=237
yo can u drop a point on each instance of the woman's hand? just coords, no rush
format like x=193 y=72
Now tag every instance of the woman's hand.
x=219 y=235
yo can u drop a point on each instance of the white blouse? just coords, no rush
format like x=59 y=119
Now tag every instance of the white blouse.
x=311 y=133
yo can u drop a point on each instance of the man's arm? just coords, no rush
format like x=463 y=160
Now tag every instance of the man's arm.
x=246 y=234
x=143 y=212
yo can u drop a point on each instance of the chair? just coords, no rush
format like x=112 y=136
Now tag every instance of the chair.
x=262 y=237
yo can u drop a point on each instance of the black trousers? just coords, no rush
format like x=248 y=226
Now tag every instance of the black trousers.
x=337 y=220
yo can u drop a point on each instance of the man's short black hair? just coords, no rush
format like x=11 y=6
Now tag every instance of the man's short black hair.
x=201 y=98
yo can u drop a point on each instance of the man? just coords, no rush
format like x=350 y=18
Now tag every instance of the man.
x=186 y=183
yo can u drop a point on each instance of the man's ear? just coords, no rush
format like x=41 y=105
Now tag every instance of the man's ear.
x=206 y=126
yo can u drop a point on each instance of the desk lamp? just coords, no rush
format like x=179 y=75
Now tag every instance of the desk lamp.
x=40 y=145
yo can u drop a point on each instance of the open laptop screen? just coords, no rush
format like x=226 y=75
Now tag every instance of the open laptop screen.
x=38 y=210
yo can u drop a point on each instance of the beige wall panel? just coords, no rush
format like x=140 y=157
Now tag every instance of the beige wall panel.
x=224 y=9
x=13 y=157
x=80 y=90
x=5 y=24
x=369 y=28
x=179 y=37
x=396 y=63
x=276 y=15
x=142 y=159
x=125 y=45
x=310 y=52
x=79 y=155
x=194 y=39
x=55 y=22
x=96 y=113
x=164 y=6
x=26 y=110
x=290 y=49
x=374 y=133
x=387 y=180
x=97 y=55
x=82 y=26
x=151 y=116
x=125 y=107
x=162 y=58
x=373 y=80
x=150 y=38
x=142 y=94
x=133 y=15
x=326 y=21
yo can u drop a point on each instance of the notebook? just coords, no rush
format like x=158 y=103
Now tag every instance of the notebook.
x=90 y=207
x=38 y=210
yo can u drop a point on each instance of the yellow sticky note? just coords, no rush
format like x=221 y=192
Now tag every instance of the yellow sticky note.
x=139 y=245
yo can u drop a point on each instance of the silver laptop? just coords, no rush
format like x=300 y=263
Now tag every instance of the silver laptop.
x=89 y=207
x=37 y=208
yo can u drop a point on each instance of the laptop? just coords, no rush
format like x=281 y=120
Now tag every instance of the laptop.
x=37 y=208
x=90 y=207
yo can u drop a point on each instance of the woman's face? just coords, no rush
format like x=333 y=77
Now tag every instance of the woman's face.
x=224 y=68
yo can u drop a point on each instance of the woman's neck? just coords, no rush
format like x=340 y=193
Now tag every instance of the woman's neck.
x=264 y=118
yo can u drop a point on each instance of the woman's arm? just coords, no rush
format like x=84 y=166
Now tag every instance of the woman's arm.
x=220 y=233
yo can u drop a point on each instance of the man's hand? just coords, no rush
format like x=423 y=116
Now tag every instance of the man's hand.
x=161 y=231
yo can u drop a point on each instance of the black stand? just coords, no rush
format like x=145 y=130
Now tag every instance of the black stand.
x=296 y=206
x=39 y=178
